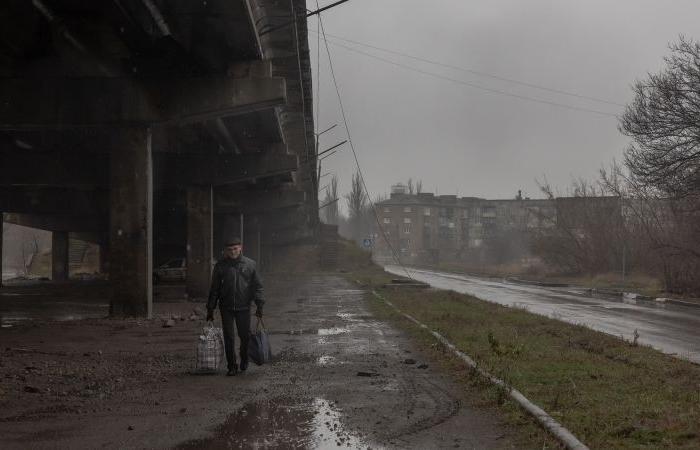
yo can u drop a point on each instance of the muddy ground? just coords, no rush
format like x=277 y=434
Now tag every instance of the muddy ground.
x=339 y=379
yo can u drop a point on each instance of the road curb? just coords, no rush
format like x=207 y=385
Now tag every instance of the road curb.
x=545 y=420
x=673 y=301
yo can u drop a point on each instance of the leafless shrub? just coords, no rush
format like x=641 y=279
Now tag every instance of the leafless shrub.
x=585 y=234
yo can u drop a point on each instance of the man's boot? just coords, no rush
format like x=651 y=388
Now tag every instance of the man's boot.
x=232 y=371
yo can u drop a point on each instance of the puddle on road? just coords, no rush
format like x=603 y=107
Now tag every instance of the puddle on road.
x=332 y=331
x=327 y=360
x=282 y=424
x=317 y=331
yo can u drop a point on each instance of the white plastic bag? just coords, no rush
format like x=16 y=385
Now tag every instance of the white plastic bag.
x=210 y=349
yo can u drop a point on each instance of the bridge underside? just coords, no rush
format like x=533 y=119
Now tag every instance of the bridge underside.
x=155 y=129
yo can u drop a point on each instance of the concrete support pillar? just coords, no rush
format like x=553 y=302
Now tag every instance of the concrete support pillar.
x=2 y=226
x=104 y=258
x=226 y=226
x=251 y=246
x=131 y=223
x=200 y=236
x=59 y=256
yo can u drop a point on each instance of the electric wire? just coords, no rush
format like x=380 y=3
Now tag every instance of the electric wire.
x=472 y=71
x=476 y=86
x=354 y=153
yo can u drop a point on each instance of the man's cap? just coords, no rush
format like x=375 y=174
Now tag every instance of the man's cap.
x=233 y=241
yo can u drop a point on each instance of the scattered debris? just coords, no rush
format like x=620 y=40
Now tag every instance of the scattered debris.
x=31 y=389
x=168 y=323
x=423 y=366
x=409 y=361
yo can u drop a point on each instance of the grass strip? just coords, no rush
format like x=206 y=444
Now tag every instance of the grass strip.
x=567 y=439
x=611 y=394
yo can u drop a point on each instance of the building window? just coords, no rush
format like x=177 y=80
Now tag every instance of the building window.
x=426 y=212
x=407 y=228
x=406 y=220
x=407 y=209
x=387 y=220
x=387 y=209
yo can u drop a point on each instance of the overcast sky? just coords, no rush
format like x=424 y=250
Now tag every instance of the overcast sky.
x=463 y=140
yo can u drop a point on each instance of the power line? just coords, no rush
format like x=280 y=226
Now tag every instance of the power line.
x=354 y=153
x=476 y=86
x=475 y=72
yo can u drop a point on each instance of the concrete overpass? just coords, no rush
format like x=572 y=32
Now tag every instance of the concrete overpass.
x=155 y=128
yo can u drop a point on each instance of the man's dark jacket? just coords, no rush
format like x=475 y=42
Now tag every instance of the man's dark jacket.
x=235 y=284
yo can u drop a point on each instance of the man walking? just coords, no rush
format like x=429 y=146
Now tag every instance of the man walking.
x=235 y=284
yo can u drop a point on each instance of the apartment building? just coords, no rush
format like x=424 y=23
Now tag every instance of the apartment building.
x=427 y=227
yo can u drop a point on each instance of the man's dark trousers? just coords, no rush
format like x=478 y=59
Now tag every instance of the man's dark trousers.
x=242 y=319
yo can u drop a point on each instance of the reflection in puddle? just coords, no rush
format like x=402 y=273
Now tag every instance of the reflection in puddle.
x=332 y=331
x=349 y=317
x=327 y=360
x=282 y=424
x=319 y=331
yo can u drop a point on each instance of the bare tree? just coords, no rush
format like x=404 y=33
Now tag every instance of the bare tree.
x=584 y=235
x=663 y=123
x=663 y=232
x=331 y=201
x=410 y=186
x=419 y=186
x=30 y=250
x=357 y=201
x=664 y=163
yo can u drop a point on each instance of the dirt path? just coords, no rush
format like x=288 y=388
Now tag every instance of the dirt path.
x=339 y=379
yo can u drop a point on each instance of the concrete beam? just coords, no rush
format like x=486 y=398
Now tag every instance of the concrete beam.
x=284 y=218
x=200 y=235
x=208 y=98
x=61 y=103
x=254 y=202
x=286 y=237
x=59 y=222
x=65 y=169
x=81 y=170
x=53 y=200
x=221 y=170
x=37 y=103
x=131 y=223
x=59 y=256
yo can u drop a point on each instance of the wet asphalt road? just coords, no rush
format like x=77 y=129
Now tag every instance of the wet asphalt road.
x=670 y=328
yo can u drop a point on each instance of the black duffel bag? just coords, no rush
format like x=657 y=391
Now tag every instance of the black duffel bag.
x=259 y=345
